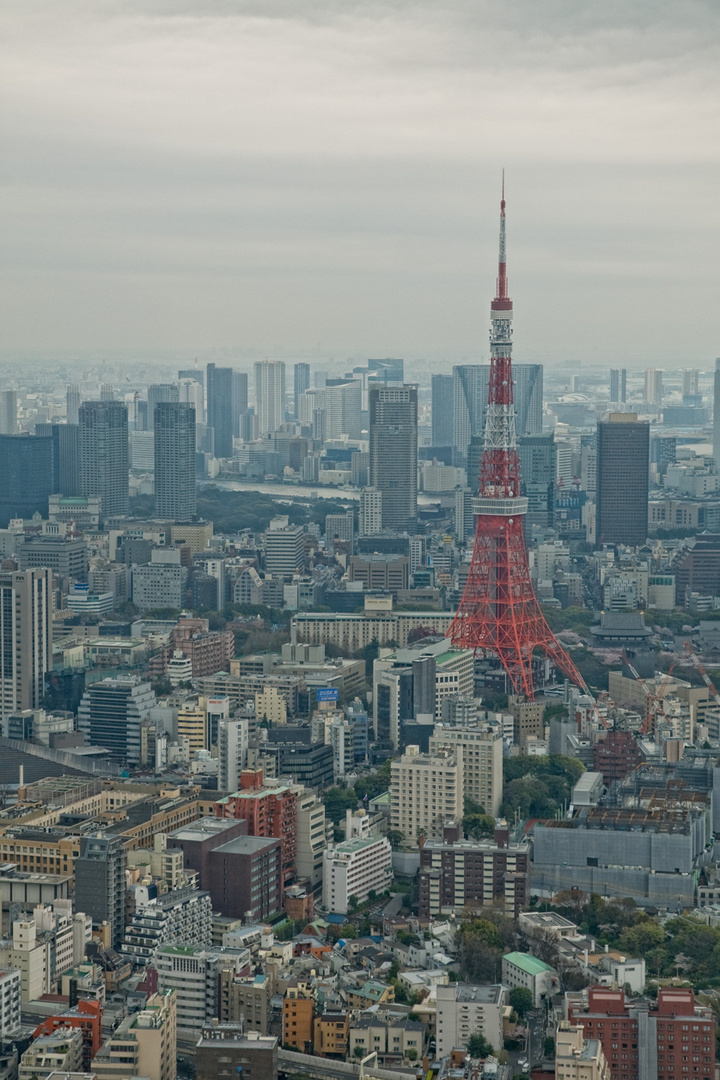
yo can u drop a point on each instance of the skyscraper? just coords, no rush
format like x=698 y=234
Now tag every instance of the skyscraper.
x=25 y=638
x=538 y=465
x=301 y=382
x=389 y=370
x=653 y=386
x=8 y=412
x=26 y=476
x=623 y=454
x=104 y=454
x=219 y=402
x=716 y=415
x=470 y=398
x=269 y=395
x=72 y=404
x=393 y=452
x=100 y=883
x=160 y=392
x=442 y=410
x=66 y=452
x=175 y=485
x=618 y=385
x=343 y=405
x=240 y=399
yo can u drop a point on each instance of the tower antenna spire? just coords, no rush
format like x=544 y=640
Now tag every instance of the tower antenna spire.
x=502 y=285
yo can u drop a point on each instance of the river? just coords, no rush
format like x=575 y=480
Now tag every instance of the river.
x=288 y=492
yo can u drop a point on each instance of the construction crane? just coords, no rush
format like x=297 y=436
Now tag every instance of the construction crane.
x=655 y=698
x=703 y=673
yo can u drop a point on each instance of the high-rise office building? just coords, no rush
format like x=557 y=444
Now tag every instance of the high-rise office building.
x=269 y=395
x=470 y=398
x=175 y=486
x=442 y=409
x=66 y=454
x=160 y=392
x=104 y=454
x=111 y=714
x=623 y=456
x=240 y=399
x=100 y=883
x=72 y=404
x=26 y=476
x=191 y=393
x=618 y=385
x=653 y=386
x=8 y=412
x=343 y=408
x=301 y=383
x=389 y=370
x=716 y=415
x=219 y=400
x=394 y=452
x=25 y=638
x=538 y=466
x=691 y=386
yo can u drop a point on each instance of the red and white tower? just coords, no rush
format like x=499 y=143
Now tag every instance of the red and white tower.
x=499 y=612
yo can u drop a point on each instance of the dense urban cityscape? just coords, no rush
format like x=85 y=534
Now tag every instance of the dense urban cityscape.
x=353 y=725
x=359 y=540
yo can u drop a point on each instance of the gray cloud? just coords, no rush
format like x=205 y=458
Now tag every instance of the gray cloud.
x=292 y=173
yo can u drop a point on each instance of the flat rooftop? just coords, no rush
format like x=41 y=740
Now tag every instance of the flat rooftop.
x=203 y=827
x=247 y=845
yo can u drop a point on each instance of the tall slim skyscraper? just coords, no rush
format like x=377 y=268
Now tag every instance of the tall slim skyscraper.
x=66 y=454
x=240 y=399
x=442 y=410
x=26 y=476
x=653 y=386
x=104 y=454
x=301 y=383
x=618 y=385
x=623 y=460
x=160 y=392
x=393 y=452
x=716 y=415
x=269 y=395
x=175 y=485
x=191 y=393
x=343 y=408
x=8 y=412
x=100 y=883
x=471 y=383
x=72 y=404
x=538 y=464
x=25 y=638
x=219 y=404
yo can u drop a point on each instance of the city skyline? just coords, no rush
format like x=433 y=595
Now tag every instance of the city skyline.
x=160 y=193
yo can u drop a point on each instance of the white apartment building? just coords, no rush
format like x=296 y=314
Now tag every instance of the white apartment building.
x=355 y=868
x=426 y=790
x=482 y=752
x=192 y=972
x=370 y=512
x=232 y=753
x=463 y=1010
x=182 y=915
x=311 y=836
x=9 y=1003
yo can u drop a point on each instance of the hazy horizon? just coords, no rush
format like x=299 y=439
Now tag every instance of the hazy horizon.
x=309 y=179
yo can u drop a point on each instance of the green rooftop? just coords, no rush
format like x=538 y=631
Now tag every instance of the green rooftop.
x=527 y=963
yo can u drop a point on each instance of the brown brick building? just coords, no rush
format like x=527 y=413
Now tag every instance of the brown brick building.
x=455 y=873
x=674 y=1040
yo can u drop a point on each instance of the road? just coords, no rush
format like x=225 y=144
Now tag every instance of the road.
x=536 y=1035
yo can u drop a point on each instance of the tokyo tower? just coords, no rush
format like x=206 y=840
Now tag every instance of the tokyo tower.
x=499 y=612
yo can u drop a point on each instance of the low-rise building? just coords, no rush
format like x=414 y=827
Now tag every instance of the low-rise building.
x=463 y=1010
x=521 y=969
x=224 y=1052
x=298 y=1012
x=330 y=1035
x=62 y=1051
x=9 y=1003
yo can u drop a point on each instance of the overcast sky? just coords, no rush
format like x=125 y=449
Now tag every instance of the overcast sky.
x=308 y=174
